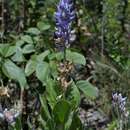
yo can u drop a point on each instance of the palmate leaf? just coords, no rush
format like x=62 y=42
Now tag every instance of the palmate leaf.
x=12 y=71
x=87 y=88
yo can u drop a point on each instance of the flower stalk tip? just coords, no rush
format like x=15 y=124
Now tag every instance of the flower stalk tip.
x=64 y=17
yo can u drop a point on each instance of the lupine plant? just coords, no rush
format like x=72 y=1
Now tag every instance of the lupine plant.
x=64 y=16
x=120 y=111
x=56 y=96
x=52 y=55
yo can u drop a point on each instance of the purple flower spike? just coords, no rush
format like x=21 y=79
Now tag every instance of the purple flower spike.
x=120 y=102
x=64 y=16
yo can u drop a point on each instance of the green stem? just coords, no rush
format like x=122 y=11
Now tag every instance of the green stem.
x=64 y=54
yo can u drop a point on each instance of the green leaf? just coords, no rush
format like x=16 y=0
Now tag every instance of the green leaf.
x=44 y=106
x=7 y=50
x=58 y=56
x=33 y=31
x=61 y=111
x=76 y=123
x=14 y=72
x=73 y=95
x=43 y=26
x=18 y=56
x=30 y=67
x=42 y=56
x=18 y=124
x=11 y=51
x=75 y=57
x=51 y=93
x=42 y=71
x=27 y=38
x=87 y=88
x=19 y=43
x=28 y=49
x=53 y=69
x=50 y=125
x=3 y=49
x=113 y=125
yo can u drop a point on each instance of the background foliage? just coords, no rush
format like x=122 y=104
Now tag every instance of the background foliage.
x=33 y=71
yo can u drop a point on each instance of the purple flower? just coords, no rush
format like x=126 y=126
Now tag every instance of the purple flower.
x=64 y=16
x=120 y=102
x=9 y=115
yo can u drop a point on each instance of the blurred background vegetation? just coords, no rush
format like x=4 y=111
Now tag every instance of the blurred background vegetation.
x=30 y=66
